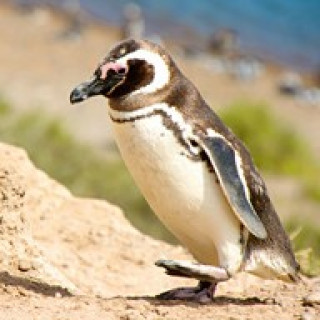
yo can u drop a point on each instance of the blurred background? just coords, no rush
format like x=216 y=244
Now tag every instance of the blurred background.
x=257 y=63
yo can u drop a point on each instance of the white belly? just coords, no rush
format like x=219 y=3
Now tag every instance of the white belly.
x=181 y=191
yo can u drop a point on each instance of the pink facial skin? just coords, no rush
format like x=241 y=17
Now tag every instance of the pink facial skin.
x=116 y=67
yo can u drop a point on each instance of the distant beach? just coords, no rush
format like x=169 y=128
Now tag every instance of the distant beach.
x=286 y=32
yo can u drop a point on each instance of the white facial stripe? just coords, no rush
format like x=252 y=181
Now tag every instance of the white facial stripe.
x=161 y=71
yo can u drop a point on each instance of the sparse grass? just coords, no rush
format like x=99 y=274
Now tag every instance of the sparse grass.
x=312 y=186
x=305 y=238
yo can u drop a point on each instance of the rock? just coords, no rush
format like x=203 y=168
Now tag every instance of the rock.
x=308 y=315
x=25 y=265
x=18 y=249
x=313 y=298
x=290 y=84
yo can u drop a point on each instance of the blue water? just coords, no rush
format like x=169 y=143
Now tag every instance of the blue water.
x=287 y=31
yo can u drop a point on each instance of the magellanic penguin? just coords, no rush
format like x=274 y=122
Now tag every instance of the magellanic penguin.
x=196 y=175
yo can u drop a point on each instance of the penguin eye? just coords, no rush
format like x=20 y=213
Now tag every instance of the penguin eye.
x=122 y=71
x=122 y=51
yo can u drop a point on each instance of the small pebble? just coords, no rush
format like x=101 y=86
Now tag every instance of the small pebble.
x=312 y=299
x=270 y=301
x=308 y=315
x=25 y=265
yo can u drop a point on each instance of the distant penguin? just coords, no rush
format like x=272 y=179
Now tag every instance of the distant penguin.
x=134 y=25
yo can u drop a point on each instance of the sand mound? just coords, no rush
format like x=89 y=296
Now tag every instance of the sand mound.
x=63 y=257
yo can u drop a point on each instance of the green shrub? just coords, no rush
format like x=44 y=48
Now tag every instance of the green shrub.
x=312 y=186
x=4 y=108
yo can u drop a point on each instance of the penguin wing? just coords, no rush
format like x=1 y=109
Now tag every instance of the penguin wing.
x=227 y=165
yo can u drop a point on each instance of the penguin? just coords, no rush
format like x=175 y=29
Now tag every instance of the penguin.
x=195 y=174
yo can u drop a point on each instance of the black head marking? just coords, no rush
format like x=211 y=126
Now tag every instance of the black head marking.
x=123 y=49
x=139 y=75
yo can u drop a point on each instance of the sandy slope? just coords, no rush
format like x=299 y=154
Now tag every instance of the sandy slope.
x=67 y=258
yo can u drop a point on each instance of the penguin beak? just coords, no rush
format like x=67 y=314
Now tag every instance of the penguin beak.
x=106 y=78
x=87 y=89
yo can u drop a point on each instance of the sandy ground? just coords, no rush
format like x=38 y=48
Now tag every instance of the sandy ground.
x=63 y=257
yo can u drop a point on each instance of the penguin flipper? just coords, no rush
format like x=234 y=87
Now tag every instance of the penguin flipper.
x=227 y=165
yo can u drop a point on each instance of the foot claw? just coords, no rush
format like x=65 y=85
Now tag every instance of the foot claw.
x=202 y=294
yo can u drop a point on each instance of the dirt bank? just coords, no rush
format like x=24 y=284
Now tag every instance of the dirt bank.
x=68 y=258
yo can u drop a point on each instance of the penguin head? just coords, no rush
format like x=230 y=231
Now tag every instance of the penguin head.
x=132 y=68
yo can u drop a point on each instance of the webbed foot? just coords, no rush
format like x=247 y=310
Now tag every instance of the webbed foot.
x=203 y=293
